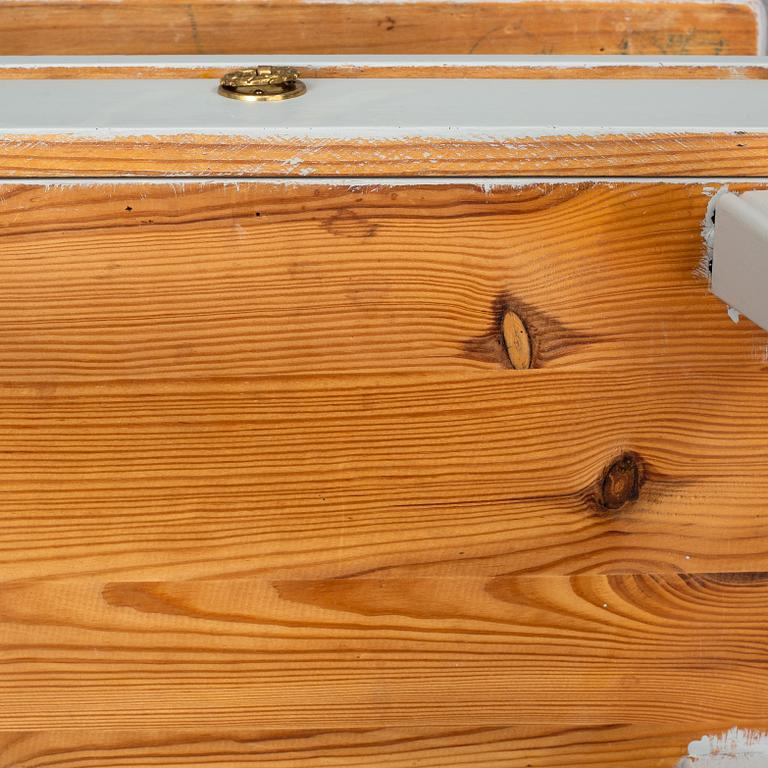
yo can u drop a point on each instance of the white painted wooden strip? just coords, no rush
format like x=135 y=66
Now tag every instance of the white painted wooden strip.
x=387 y=109
x=398 y=61
x=740 y=258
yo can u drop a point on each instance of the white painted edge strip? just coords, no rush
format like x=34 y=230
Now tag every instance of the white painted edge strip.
x=398 y=61
x=761 y=10
x=740 y=254
x=386 y=109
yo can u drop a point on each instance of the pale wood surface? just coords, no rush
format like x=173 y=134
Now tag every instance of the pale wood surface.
x=610 y=155
x=273 y=493
x=758 y=70
x=538 y=27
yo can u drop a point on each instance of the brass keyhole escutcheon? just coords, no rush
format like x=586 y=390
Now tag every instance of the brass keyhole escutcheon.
x=262 y=84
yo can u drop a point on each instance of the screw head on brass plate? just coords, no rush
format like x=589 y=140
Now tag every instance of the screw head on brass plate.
x=262 y=84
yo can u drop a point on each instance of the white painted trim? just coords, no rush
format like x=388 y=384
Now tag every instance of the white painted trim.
x=397 y=61
x=386 y=109
x=761 y=11
x=740 y=258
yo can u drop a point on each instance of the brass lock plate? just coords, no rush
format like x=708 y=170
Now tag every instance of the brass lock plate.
x=262 y=84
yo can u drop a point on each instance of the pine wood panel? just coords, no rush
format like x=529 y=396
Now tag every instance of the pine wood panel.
x=335 y=475
x=98 y=70
x=209 y=27
x=608 y=746
x=366 y=653
x=274 y=494
x=744 y=153
x=152 y=281
x=309 y=379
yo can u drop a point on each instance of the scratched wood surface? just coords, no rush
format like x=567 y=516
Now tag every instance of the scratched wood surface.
x=667 y=27
x=274 y=493
x=639 y=154
x=745 y=69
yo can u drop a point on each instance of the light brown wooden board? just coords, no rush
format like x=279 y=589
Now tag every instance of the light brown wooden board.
x=122 y=71
x=368 y=653
x=207 y=379
x=64 y=70
x=744 y=153
x=447 y=746
x=272 y=494
x=204 y=27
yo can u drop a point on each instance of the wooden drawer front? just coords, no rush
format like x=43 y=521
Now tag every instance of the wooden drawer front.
x=273 y=490
x=657 y=27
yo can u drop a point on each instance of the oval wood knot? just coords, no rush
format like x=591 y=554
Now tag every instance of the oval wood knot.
x=517 y=341
x=621 y=482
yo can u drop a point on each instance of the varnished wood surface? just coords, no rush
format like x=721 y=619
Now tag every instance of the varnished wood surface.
x=363 y=653
x=521 y=746
x=664 y=27
x=640 y=154
x=274 y=494
x=481 y=475
x=207 y=379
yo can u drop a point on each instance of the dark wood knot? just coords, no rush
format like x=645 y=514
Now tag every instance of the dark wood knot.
x=621 y=482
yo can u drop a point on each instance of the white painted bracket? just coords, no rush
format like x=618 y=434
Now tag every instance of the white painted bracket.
x=740 y=254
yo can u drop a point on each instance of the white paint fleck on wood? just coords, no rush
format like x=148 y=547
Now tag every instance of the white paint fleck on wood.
x=704 y=267
x=736 y=748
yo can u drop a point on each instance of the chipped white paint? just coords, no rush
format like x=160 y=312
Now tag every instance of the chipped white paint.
x=483 y=111
x=704 y=267
x=736 y=748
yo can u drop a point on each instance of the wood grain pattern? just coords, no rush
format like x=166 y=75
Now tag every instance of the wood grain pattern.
x=744 y=153
x=310 y=379
x=208 y=27
x=204 y=280
x=334 y=475
x=518 y=746
x=63 y=70
x=332 y=654
x=274 y=495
